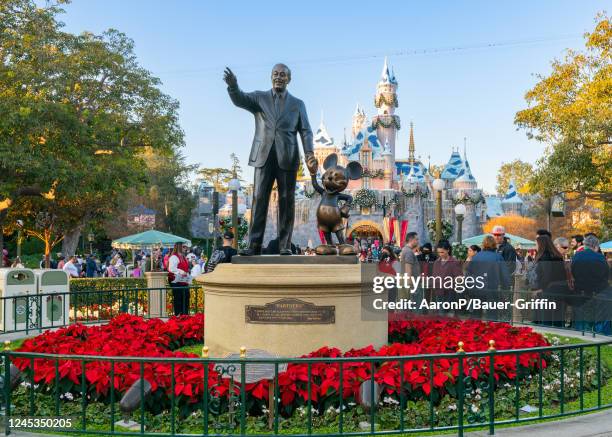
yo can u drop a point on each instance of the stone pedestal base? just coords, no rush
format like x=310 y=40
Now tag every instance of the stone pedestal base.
x=157 y=298
x=287 y=309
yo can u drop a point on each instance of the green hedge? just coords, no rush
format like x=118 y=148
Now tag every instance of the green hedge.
x=101 y=284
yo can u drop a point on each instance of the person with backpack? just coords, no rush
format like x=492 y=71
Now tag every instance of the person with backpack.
x=223 y=254
x=178 y=277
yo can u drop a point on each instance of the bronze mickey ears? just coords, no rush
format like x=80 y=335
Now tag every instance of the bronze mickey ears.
x=330 y=161
x=354 y=170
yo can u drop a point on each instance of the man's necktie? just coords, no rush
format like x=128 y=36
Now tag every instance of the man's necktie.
x=277 y=104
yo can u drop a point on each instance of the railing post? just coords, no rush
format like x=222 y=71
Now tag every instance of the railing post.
x=243 y=352
x=492 y=387
x=460 y=390
x=7 y=386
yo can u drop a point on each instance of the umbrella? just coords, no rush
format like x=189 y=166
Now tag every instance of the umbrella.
x=149 y=240
x=515 y=240
x=606 y=247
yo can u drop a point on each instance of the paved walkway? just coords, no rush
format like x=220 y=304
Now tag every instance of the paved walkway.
x=590 y=425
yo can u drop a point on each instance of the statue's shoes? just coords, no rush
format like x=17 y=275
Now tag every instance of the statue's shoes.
x=346 y=249
x=286 y=252
x=249 y=252
x=326 y=249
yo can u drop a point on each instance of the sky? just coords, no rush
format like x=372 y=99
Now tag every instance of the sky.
x=463 y=67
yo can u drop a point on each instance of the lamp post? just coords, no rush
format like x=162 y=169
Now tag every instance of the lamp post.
x=19 y=236
x=91 y=237
x=234 y=186
x=460 y=214
x=438 y=186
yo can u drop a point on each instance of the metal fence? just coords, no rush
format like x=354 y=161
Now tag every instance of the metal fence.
x=35 y=312
x=223 y=407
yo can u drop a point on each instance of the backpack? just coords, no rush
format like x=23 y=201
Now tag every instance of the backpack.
x=217 y=257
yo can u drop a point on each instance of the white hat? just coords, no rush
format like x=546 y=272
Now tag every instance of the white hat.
x=498 y=230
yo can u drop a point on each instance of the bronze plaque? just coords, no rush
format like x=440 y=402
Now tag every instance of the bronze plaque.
x=290 y=311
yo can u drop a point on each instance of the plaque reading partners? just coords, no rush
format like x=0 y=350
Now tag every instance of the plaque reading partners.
x=291 y=311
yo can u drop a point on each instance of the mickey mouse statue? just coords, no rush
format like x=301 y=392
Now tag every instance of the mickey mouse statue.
x=329 y=213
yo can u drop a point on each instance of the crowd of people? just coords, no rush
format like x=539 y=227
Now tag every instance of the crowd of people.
x=567 y=271
x=560 y=268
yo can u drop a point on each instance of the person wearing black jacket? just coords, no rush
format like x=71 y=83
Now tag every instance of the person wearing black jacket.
x=504 y=248
x=551 y=280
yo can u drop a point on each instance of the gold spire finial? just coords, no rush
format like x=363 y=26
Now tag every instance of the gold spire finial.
x=460 y=346
x=491 y=345
x=411 y=148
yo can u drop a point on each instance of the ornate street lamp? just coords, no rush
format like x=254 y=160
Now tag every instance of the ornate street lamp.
x=438 y=186
x=460 y=214
x=234 y=186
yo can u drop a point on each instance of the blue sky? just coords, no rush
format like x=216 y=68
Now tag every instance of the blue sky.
x=452 y=84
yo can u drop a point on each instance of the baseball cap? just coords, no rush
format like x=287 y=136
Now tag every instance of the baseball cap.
x=228 y=235
x=498 y=230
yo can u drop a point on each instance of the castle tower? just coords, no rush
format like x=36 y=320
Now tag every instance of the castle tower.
x=414 y=185
x=359 y=120
x=466 y=188
x=365 y=159
x=388 y=166
x=386 y=122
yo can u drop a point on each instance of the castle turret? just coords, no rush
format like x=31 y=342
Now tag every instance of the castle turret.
x=359 y=120
x=466 y=191
x=386 y=122
x=512 y=203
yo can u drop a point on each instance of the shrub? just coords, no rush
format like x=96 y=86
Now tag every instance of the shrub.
x=103 y=284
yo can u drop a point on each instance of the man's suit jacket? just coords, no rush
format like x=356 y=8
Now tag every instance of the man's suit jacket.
x=272 y=128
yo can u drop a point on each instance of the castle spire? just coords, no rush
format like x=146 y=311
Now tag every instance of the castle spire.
x=385 y=71
x=411 y=148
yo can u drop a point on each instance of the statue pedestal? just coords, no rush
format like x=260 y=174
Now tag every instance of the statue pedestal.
x=288 y=305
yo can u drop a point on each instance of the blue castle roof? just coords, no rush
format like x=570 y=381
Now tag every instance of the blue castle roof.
x=512 y=195
x=352 y=150
x=453 y=168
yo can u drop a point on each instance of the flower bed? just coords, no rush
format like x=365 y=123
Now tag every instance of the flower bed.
x=128 y=335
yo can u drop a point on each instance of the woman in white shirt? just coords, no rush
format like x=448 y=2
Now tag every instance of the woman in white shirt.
x=178 y=277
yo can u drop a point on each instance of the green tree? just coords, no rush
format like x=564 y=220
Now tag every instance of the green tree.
x=82 y=110
x=218 y=177
x=571 y=112
x=518 y=171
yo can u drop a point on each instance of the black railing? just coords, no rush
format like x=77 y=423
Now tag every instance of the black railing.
x=483 y=390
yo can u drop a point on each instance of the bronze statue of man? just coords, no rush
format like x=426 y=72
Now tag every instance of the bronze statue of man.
x=279 y=118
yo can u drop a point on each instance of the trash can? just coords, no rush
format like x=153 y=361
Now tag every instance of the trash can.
x=19 y=306
x=54 y=297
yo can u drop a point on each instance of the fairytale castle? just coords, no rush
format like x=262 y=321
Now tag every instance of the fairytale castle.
x=395 y=195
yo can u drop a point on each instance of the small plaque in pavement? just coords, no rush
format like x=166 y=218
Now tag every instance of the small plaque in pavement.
x=254 y=372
